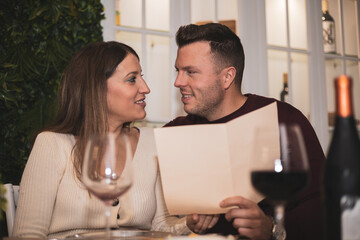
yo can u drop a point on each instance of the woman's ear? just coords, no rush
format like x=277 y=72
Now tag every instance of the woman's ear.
x=229 y=76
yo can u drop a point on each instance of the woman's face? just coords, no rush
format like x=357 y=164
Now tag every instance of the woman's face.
x=126 y=90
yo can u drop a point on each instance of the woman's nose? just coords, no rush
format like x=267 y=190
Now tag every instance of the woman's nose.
x=144 y=88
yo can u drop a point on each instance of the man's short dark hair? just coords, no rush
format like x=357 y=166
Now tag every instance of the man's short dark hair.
x=225 y=45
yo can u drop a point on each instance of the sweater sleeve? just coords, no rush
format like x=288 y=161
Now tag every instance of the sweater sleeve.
x=303 y=217
x=39 y=184
x=162 y=220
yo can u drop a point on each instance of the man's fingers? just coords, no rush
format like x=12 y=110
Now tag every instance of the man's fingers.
x=195 y=218
x=236 y=201
x=205 y=222
x=192 y=220
x=249 y=213
x=214 y=220
x=199 y=223
x=246 y=232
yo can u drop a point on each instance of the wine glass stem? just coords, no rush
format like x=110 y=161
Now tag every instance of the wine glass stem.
x=279 y=221
x=107 y=218
x=279 y=214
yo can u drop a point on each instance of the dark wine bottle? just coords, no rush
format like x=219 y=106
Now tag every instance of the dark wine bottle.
x=284 y=94
x=342 y=170
x=328 y=26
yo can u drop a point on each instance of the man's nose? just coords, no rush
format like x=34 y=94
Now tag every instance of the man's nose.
x=180 y=81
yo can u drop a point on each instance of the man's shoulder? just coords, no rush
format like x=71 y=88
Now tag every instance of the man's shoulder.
x=258 y=101
x=286 y=111
x=262 y=101
x=185 y=120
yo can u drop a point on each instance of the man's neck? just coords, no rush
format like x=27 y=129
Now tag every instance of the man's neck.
x=230 y=105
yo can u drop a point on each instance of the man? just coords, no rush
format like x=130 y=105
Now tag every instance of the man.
x=210 y=65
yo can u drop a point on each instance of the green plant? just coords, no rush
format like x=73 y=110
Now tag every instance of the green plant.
x=3 y=202
x=37 y=39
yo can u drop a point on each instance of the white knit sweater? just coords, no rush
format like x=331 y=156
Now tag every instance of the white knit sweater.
x=53 y=203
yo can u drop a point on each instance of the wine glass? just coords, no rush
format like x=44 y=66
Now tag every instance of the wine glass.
x=107 y=169
x=279 y=174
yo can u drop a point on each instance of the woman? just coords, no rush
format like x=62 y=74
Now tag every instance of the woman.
x=102 y=90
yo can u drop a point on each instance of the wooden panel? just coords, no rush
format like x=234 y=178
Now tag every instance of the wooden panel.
x=229 y=23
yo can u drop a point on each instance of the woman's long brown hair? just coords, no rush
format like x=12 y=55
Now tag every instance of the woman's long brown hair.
x=82 y=106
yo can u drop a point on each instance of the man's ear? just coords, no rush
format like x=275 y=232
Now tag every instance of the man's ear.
x=229 y=74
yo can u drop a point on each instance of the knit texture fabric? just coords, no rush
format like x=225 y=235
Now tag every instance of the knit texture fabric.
x=53 y=203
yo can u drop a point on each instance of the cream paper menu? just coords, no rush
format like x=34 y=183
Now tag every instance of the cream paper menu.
x=200 y=165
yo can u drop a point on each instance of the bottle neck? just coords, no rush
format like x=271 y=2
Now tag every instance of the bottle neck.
x=325 y=6
x=343 y=85
x=285 y=80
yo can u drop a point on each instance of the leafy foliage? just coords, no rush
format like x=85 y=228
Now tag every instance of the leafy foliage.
x=3 y=202
x=37 y=39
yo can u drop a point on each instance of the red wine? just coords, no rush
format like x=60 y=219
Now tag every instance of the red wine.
x=342 y=169
x=279 y=186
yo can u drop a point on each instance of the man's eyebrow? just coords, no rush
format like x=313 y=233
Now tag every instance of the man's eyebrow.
x=185 y=68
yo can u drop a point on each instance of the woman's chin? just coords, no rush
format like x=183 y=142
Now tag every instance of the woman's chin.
x=142 y=116
x=137 y=117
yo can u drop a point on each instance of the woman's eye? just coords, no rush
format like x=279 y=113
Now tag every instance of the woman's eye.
x=131 y=79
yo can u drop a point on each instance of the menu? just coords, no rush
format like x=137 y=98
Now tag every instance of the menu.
x=200 y=165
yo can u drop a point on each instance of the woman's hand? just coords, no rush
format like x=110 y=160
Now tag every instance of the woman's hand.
x=199 y=223
x=248 y=218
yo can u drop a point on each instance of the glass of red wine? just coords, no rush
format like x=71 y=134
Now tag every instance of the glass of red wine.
x=280 y=174
x=107 y=169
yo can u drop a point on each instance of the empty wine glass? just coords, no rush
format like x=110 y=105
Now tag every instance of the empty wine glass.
x=279 y=174
x=107 y=169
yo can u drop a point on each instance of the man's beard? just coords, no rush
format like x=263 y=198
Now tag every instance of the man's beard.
x=210 y=101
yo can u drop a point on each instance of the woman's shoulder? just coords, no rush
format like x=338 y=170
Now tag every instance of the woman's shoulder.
x=146 y=140
x=53 y=137
x=51 y=151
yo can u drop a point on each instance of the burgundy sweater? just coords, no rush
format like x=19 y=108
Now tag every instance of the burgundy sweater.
x=303 y=216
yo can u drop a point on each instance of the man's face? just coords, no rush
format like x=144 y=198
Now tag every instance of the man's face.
x=198 y=81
